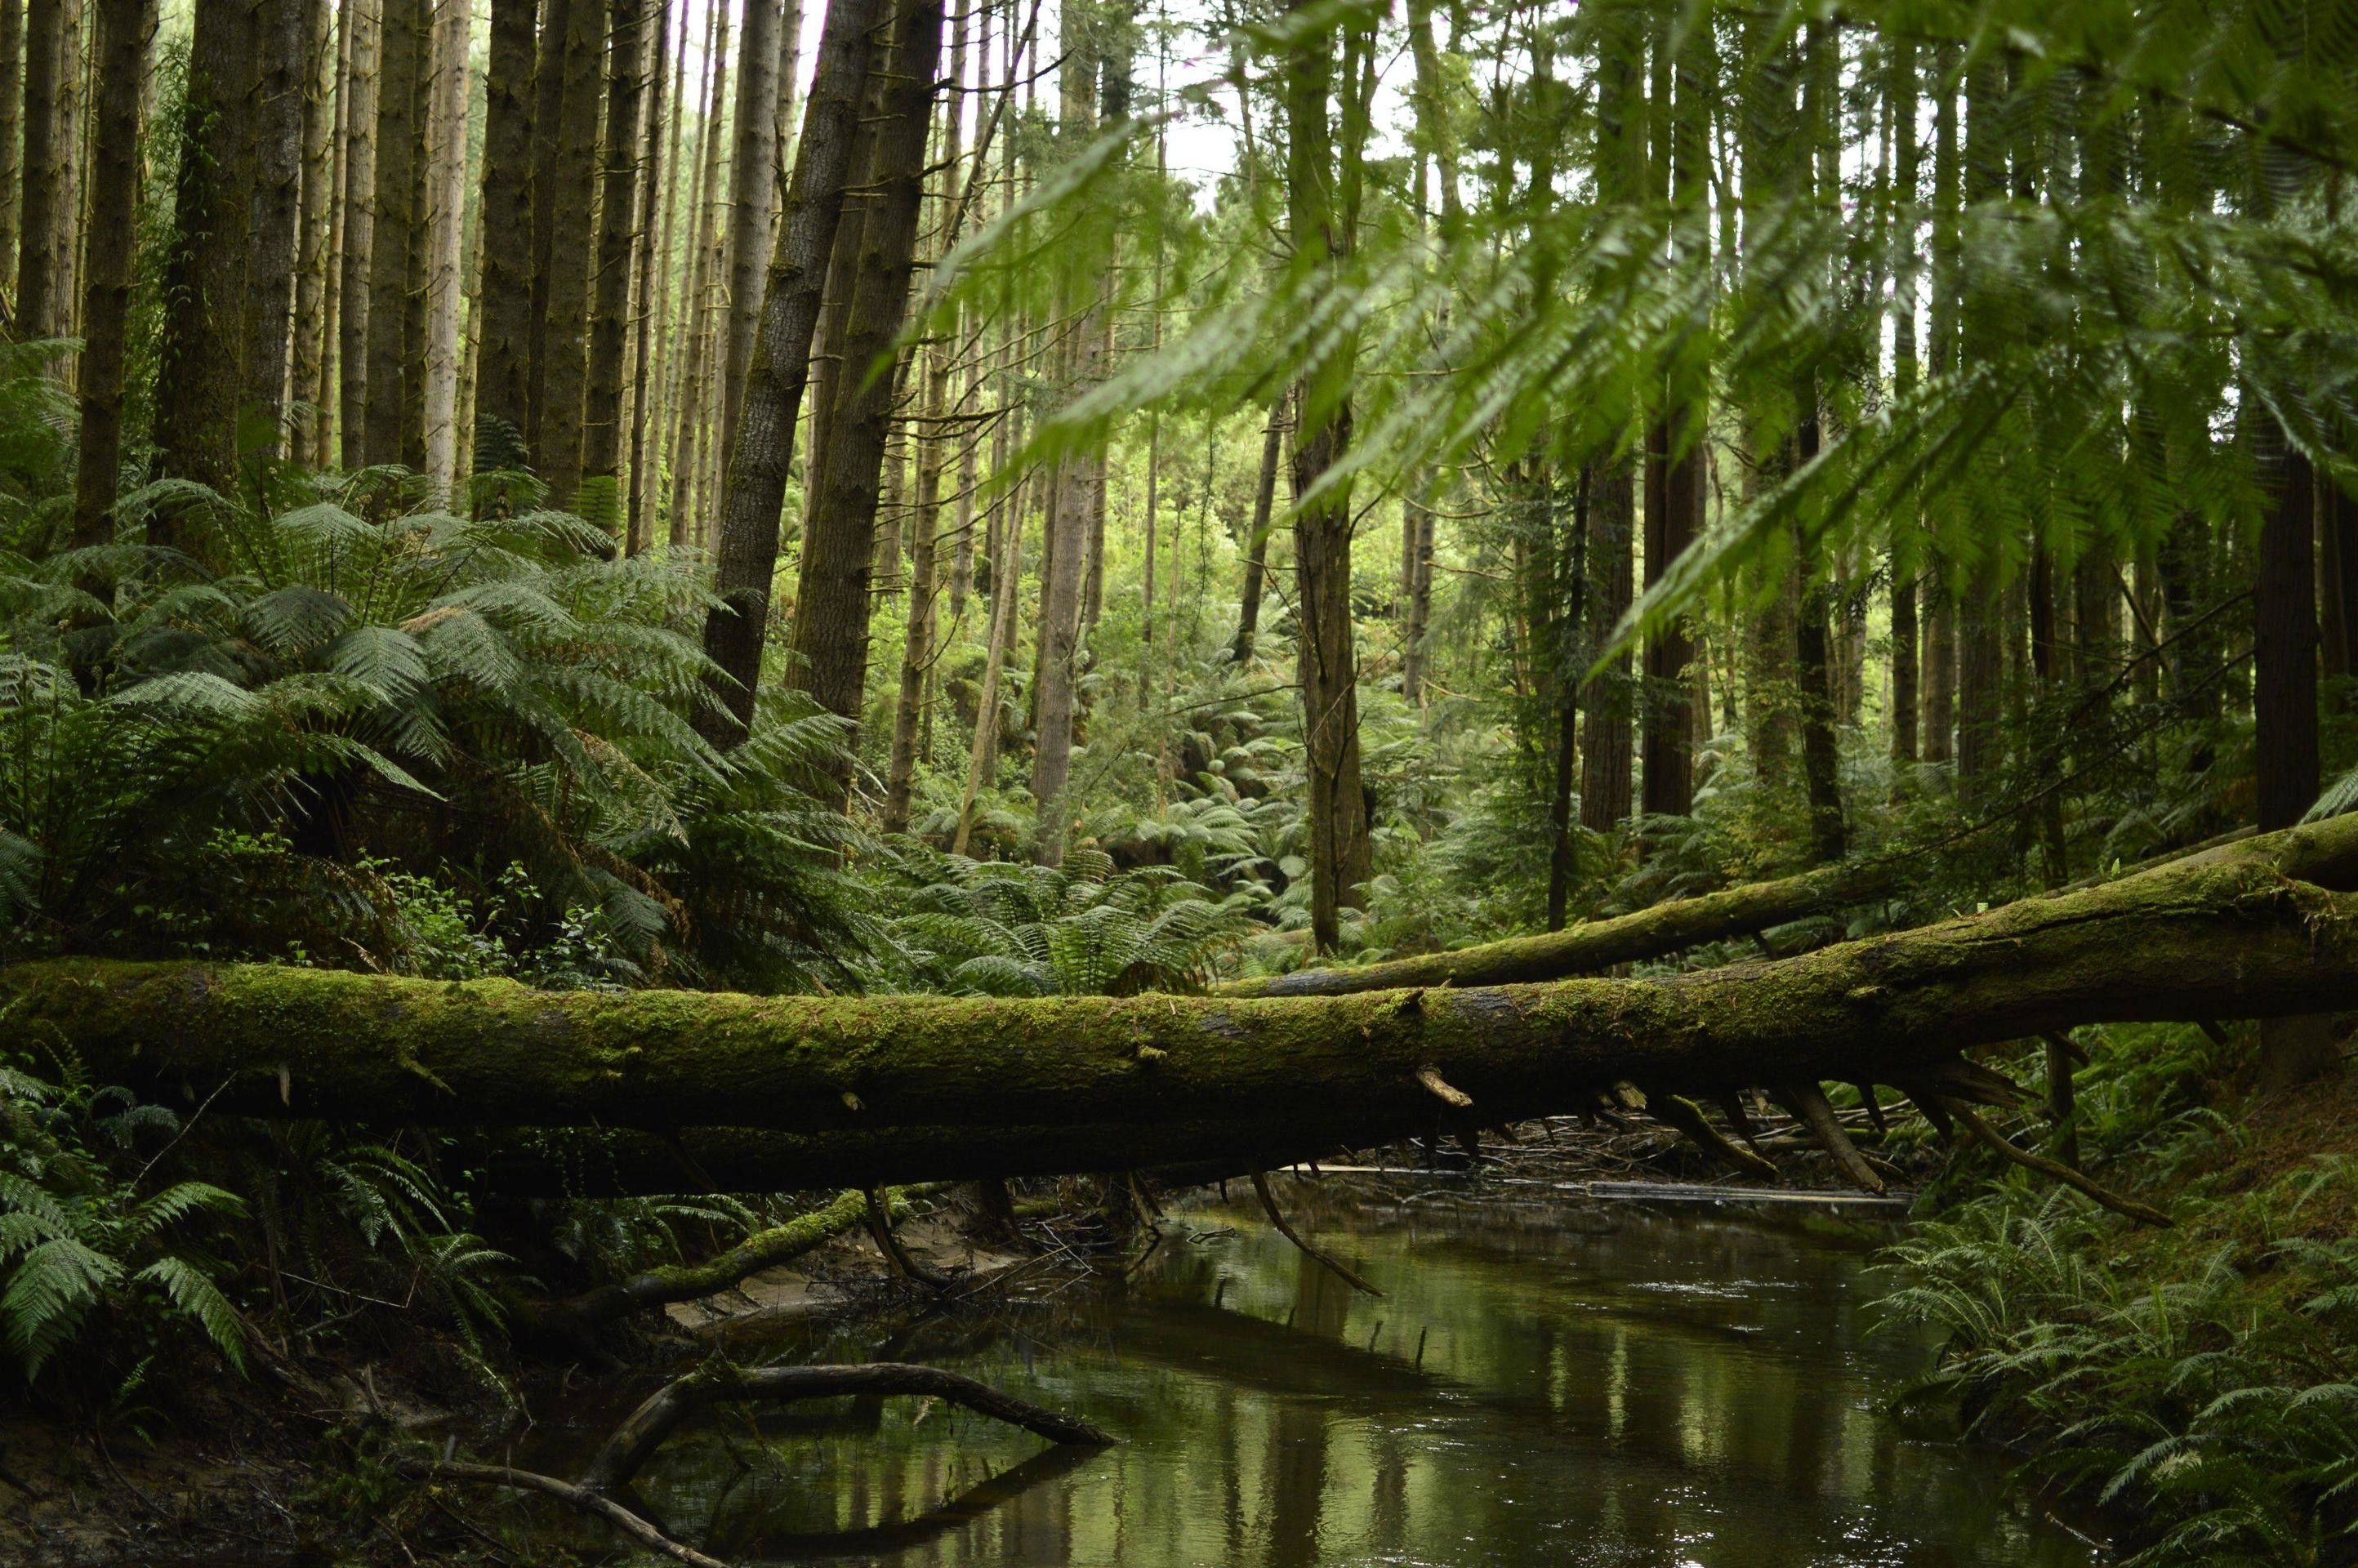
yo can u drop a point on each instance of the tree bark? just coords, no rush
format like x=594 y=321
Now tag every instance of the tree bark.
x=2284 y=644
x=689 y=523
x=1323 y=185
x=600 y=498
x=504 y=364
x=831 y=600
x=1256 y=541
x=355 y=303
x=445 y=212
x=756 y=488
x=905 y=1089
x=401 y=68
x=752 y=187
x=198 y=385
x=307 y=385
x=565 y=351
x=649 y=296
x=126 y=29
x=47 y=216
x=12 y=144
x=278 y=213
x=1604 y=781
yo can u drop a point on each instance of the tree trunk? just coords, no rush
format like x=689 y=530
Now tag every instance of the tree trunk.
x=503 y=362
x=1981 y=743
x=401 y=67
x=655 y=337
x=1256 y=541
x=47 y=217
x=1323 y=184
x=1004 y=572
x=748 y=557
x=831 y=600
x=309 y=385
x=908 y=1087
x=753 y=187
x=356 y=304
x=12 y=144
x=198 y=389
x=689 y=523
x=649 y=267
x=1604 y=782
x=126 y=29
x=2284 y=644
x=1907 y=175
x=599 y=498
x=445 y=212
x=278 y=213
x=566 y=345
x=547 y=116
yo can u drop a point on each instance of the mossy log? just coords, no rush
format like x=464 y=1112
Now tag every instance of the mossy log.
x=864 y=1091
x=1593 y=945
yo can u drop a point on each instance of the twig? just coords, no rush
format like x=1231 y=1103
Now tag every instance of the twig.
x=2141 y=1213
x=566 y=1492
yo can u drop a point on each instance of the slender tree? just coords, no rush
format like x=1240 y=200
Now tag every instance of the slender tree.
x=504 y=373
x=831 y=601
x=277 y=131
x=752 y=187
x=400 y=81
x=46 y=213
x=655 y=160
x=446 y=212
x=756 y=488
x=357 y=268
x=565 y=360
x=610 y=321
x=127 y=29
x=12 y=140
x=307 y=386
x=696 y=309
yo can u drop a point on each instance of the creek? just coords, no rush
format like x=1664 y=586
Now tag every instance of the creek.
x=1557 y=1383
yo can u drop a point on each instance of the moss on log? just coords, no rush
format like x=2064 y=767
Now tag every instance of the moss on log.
x=864 y=1091
x=1595 y=944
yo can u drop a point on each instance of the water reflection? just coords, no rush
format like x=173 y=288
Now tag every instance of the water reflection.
x=1561 y=1386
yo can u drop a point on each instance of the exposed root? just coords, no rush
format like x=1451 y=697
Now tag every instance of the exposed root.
x=1455 y=1099
x=879 y=1225
x=2143 y=1214
x=642 y=1432
x=1277 y=1217
x=1732 y=1104
x=1688 y=1117
x=1808 y=1103
x=588 y=1501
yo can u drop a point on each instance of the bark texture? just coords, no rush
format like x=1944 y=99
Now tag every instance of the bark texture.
x=504 y=373
x=556 y=453
x=753 y=191
x=905 y=1089
x=609 y=319
x=756 y=488
x=126 y=29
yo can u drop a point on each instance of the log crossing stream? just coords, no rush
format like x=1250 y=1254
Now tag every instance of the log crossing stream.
x=1544 y=1381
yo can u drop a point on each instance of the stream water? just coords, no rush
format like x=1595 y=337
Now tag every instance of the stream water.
x=1593 y=1385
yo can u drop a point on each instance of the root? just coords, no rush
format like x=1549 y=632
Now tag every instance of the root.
x=2143 y=1214
x=643 y=1430
x=1688 y=1117
x=1269 y=1201
x=591 y=1502
x=1442 y=1090
x=1808 y=1103
x=879 y=1225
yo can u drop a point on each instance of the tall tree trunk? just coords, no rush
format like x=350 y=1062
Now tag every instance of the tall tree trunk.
x=401 y=67
x=510 y=203
x=549 y=82
x=2284 y=643
x=649 y=302
x=355 y=308
x=831 y=601
x=1256 y=540
x=1605 y=782
x=309 y=385
x=2337 y=517
x=278 y=213
x=565 y=354
x=756 y=488
x=126 y=29
x=1005 y=569
x=602 y=426
x=12 y=146
x=656 y=348
x=324 y=453
x=198 y=386
x=48 y=216
x=1907 y=175
x=1981 y=743
x=446 y=212
x=1323 y=186
x=753 y=187
x=688 y=521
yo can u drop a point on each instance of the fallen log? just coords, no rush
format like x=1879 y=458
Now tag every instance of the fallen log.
x=1593 y=945
x=865 y=1091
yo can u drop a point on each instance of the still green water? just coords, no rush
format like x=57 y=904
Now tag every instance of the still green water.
x=1587 y=1385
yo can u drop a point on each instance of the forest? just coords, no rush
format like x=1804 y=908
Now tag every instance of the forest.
x=976 y=780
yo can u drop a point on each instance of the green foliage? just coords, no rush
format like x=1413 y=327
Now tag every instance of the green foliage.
x=90 y=1246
